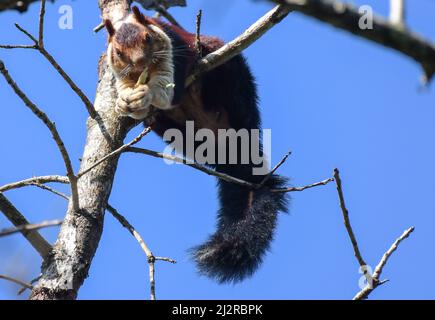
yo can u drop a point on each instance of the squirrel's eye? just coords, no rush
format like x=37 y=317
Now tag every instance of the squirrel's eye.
x=147 y=39
x=119 y=53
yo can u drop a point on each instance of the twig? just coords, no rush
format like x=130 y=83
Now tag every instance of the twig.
x=34 y=237
x=373 y=280
x=21 y=283
x=117 y=151
x=196 y=166
x=269 y=175
x=37 y=180
x=41 y=24
x=39 y=46
x=150 y=257
x=348 y=226
x=27 y=33
x=298 y=189
x=239 y=44
x=18 y=46
x=29 y=227
x=346 y=16
x=365 y=292
x=124 y=222
x=99 y=27
x=52 y=128
x=198 y=33
x=44 y=187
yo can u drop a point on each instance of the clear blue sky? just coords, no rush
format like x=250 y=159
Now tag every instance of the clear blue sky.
x=333 y=99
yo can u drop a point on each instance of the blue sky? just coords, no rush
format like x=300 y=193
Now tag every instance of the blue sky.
x=333 y=99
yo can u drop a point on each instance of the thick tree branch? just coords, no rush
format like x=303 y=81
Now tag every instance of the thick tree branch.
x=236 y=46
x=17 y=219
x=347 y=17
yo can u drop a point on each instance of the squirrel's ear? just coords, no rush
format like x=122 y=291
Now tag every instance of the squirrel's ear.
x=109 y=26
x=139 y=16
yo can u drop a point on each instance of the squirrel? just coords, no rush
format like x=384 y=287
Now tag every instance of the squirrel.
x=223 y=98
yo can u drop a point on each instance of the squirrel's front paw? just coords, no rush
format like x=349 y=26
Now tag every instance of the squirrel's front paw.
x=134 y=102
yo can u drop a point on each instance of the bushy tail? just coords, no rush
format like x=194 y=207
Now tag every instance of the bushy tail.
x=245 y=228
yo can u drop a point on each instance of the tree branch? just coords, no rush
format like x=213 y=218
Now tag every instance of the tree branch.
x=116 y=152
x=26 y=182
x=365 y=292
x=17 y=219
x=65 y=271
x=347 y=17
x=299 y=189
x=16 y=281
x=373 y=280
x=236 y=46
x=30 y=227
x=52 y=128
x=38 y=44
x=150 y=257
x=348 y=226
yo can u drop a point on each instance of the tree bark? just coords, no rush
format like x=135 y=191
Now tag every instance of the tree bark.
x=66 y=268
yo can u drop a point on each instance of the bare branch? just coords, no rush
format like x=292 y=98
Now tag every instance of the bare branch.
x=373 y=281
x=41 y=24
x=196 y=166
x=29 y=227
x=198 y=33
x=27 y=34
x=17 y=219
x=39 y=45
x=347 y=17
x=269 y=175
x=34 y=180
x=372 y=285
x=236 y=46
x=44 y=187
x=150 y=257
x=298 y=189
x=16 y=281
x=18 y=46
x=52 y=128
x=348 y=226
x=116 y=152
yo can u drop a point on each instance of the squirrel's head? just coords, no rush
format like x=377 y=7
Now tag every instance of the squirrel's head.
x=135 y=43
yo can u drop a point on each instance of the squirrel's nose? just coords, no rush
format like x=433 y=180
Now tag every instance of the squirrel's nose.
x=139 y=59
